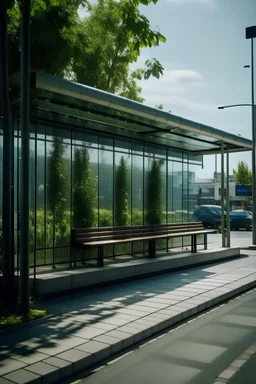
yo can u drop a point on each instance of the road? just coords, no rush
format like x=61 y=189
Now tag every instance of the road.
x=194 y=353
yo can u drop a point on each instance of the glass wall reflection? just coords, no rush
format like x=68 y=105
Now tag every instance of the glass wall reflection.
x=82 y=178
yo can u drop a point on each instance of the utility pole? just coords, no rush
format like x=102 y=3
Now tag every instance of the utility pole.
x=8 y=149
x=25 y=132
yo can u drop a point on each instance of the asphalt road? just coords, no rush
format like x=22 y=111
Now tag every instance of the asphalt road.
x=195 y=353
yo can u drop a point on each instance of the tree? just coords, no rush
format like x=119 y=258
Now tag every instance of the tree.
x=121 y=194
x=111 y=38
x=96 y=50
x=84 y=190
x=243 y=175
x=57 y=182
x=154 y=193
x=52 y=24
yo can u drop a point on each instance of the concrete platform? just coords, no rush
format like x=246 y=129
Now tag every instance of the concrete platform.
x=73 y=279
x=88 y=327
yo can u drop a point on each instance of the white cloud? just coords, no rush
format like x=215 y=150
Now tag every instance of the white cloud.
x=207 y=3
x=176 y=90
x=173 y=82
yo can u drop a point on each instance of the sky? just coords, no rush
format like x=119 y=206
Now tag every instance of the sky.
x=203 y=61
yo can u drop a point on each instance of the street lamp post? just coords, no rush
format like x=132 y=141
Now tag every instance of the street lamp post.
x=253 y=164
x=250 y=33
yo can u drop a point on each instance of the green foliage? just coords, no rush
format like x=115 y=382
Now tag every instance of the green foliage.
x=154 y=214
x=122 y=216
x=137 y=217
x=243 y=175
x=45 y=229
x=57 y=178
x=8 y=319
x=106 y=218
x=96 y=50
x=110 y=38
x=52 y=23
x=84 y=190
x=159 y=106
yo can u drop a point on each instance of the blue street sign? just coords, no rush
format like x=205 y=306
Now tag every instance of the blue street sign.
x=243 y=190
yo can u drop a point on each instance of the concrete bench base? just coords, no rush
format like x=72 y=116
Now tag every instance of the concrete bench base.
x=63 y=281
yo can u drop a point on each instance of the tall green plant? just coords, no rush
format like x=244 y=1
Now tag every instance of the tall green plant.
x=57 y=188
x=84 y=190
x=154 y=193
x=121 y=194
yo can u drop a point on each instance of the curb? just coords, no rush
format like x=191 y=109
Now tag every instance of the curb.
x=236 y=365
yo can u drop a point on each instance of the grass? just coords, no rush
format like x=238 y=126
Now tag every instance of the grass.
x=8 y=319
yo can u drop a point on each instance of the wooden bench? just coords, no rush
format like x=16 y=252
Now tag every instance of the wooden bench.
x=102 y=236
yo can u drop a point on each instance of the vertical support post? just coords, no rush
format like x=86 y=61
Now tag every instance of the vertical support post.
x=222 y=196
x=8 y=148
x=227 y=199
x=253 y=153
x=24 y=119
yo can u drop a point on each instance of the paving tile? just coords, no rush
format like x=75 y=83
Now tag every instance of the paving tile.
x=89 y=332
x=30 y=358
x=49 y=373
x=8 y=365
x=128 y=317
x=115 y=320
x=132 y=312
x=104 y=326
x=138 y=334
x=143 y=308
x=116 y=344
x=99 y=350
x=81 y=360
x=238 y=363
x=227 y=374
x=127 y=338
x=153 y=304
x=63 y=345
x=66 y=368
x=5 y=381
x=23 y=376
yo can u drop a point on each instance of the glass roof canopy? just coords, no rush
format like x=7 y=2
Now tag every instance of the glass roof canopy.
x=116 y=115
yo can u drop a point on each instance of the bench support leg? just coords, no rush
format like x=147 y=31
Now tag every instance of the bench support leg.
x=83 y=255
x=151 y=249
x=205 y=241
x=100 y=257
x=193 y=244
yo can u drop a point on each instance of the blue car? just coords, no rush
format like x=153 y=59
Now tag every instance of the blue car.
x=241 y=218
x=209 y=215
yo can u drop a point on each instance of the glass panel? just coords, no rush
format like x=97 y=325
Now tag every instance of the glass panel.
x=122 y=189
x=32 y=213
x=106 y=179
x=85 y=186
x=137 y=197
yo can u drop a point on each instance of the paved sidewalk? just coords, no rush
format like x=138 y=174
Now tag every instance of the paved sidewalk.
x=90 y=327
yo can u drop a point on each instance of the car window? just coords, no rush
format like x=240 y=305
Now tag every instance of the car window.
x=239 y=213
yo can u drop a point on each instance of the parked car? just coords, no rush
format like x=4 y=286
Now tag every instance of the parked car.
x=240 y=218
x=210 y=215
